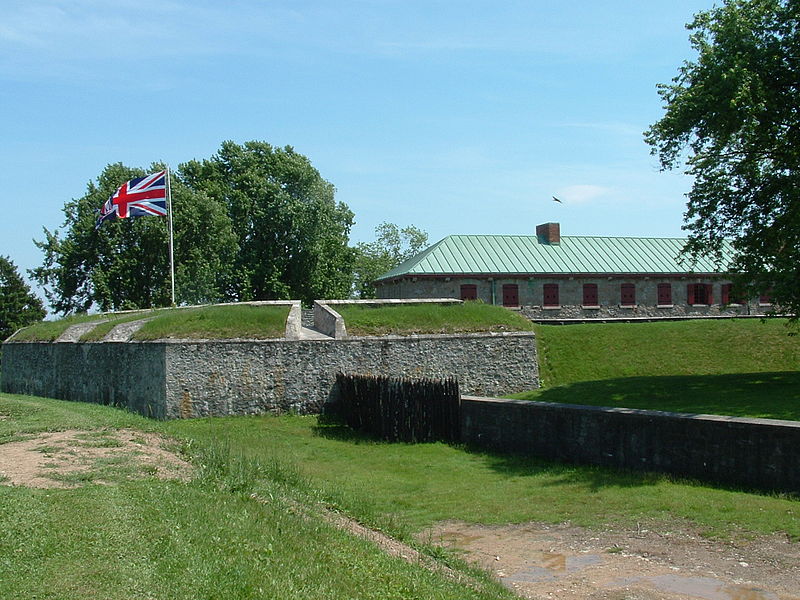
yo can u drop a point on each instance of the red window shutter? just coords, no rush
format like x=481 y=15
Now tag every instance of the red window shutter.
x=709 y=294
x=550 y=295
x=627 y=294
x=590 y=294
x=690 y=294
x=664 y=293
x=725 y=294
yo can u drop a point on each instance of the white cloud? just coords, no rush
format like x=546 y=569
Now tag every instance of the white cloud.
x=582 y=194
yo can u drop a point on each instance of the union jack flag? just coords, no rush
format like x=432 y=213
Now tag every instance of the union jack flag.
x=138 y=197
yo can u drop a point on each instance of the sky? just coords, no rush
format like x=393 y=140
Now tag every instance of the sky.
x=459 y=117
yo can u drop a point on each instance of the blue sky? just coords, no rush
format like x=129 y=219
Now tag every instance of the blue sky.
x=455 y=116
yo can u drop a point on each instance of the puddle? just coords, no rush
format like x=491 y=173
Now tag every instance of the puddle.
x=706 y=588
x=455 y=538
x=552 y=566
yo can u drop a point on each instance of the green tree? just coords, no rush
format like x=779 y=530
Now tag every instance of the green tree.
x=19 y=306
x=731 y=116
x=392 y=246
x=125 y=263
x=292 y=234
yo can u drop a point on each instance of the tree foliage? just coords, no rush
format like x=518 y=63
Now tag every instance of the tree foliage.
x=292 y=234
x=251 y=223
x=125 y=263
x=19 y=306
x=392 y=246
x=733 y=117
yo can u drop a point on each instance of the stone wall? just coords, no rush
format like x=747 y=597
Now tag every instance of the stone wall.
x=173 y=379
x=119 y=374
x=760 y=453
x=531 y=292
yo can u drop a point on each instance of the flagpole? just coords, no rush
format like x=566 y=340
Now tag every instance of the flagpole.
x=171 y=244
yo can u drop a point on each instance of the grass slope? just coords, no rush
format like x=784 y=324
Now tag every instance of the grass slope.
x=207 y=538
x=406 y=319
x=740 y=367
x=242 y=321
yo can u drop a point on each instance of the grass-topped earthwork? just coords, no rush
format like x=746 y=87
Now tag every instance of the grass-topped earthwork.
x=48 y=331
x=233 y=321
x=738 y=367
x=230 y=321
x=407 y=319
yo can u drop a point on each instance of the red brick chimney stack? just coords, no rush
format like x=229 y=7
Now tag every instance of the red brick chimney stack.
x=549 y=233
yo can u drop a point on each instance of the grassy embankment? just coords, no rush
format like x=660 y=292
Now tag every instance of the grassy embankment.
x=243 y=321
x=208 y=537
x=406 y=319
x=739 y=367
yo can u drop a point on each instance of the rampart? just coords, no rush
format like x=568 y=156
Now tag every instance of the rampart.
x=173 y=379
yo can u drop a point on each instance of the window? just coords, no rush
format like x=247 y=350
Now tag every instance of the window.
x=510 y=294
x=550 y=294
x=699 y=293
x=727 y=297
x=765 y=299
x=469 y=291
x=627 y=294
x=590 y=294
x=664 y=294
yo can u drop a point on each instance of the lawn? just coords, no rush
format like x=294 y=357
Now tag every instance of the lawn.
x=233 y=531
x=406 y=319
x=740 y=367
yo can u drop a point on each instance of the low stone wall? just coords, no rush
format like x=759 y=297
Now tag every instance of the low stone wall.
x=760 y=453
x=642 y=311
x=172 y=379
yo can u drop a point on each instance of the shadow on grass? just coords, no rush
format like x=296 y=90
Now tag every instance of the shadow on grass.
x=774 y=395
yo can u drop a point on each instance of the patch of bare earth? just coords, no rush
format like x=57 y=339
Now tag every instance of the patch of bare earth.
x=666 y=561
x=65 y=459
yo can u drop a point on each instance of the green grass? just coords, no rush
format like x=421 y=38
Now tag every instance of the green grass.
x=243 y=321
x=217 y=322
x=210 y=537
x=48 y=331
x=406 y=319
x=739 y=367
x=424 y=483
x=232 y=532
x=98 y=332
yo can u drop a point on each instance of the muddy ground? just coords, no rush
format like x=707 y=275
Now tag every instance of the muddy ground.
x=651 y=562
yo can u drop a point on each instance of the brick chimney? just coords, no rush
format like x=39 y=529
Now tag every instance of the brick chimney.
x=549 y=233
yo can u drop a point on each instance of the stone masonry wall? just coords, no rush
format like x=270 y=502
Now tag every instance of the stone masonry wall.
x=172 y=379
x=531 y=291
x=119 y=374
x=219 y=378
x=759 y=453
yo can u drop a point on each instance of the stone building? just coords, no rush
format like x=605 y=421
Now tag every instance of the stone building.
x=552 y=276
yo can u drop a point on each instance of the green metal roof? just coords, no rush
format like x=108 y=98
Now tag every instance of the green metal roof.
x=495 y=254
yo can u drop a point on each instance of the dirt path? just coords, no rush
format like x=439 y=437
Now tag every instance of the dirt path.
x=65 y=459
x=660 y=562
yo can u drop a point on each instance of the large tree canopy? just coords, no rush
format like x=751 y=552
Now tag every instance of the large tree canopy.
x=125 y=263
x=733 y=117
x=19 y=306
x=392 y=246
x=292 y=234
x=251 y=223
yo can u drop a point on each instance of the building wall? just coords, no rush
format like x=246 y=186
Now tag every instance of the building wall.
x=531 y=295
x=172 y=379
